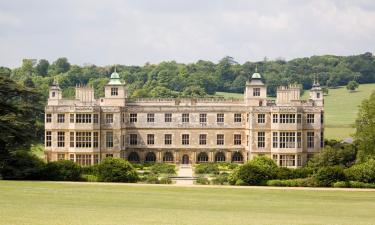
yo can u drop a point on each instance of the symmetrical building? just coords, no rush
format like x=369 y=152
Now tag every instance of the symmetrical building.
x=184 y=131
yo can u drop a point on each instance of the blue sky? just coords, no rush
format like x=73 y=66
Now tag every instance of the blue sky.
x=135 y=32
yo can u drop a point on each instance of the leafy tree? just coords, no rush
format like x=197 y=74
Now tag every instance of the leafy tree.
x=42 y=67
x=62 y=170
x=326 y=176
x=61 y=65
x=116 y=170
x=28 y=66
x=337 y=154
x=352 y=85
x=364 y=172
x=365 y=129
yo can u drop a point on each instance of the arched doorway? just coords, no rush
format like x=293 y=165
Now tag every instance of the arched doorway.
x=202 y=157
x=150 y=157
x=133 y=157
x=168 y=157
x=185 y=159
x=237 y=157
x=220 y=157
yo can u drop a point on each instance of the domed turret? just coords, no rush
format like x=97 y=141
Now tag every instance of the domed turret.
x=115 y=78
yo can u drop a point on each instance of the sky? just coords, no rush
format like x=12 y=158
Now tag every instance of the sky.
x=108 y=32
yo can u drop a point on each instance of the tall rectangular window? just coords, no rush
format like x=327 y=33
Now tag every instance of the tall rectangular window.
x=203 y=139
x=261 y=118
x=275 y=142
x=83 y=139
x=96 y=159
x=256 y=91
x=237 y=139
x=299 y=140
x=61 y=118
x=299 y=118
x=287 y=160
x=60 y=139
x=220 y=118
x=83 y=159
x=150 y=139
x=48 y=138
x=96 y=118
x=322 y=118
x=237 y=118
x=122 y=117
x=310 y=139
x=310 y=118
x=299 y=160
x=114 y=91
x=150 y=117
x=96 y=140
x=71 y=118
x=168 y=117
x=220 y=139
x=168 y=139
x=287 y=139
x=133 y=117
x=287 y=118
x=185 y=117
x=133 y=139
x=274 y=118
x=109 y=139
x=108 y=118
x=48 y=118
x=261 y=140
x=203 y=118
x=321 y=139
x=185 y=139
x=60 y=156
x=83 y=118
x=71 y=139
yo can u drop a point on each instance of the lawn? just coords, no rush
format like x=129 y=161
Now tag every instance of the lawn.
x=341 y=108
x=92 y=203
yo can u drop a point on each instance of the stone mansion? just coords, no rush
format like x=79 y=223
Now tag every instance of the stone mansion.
x=184 y=130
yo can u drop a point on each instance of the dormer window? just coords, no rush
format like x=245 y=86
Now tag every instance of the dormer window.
x=114 y=91
x=318 y=95
x=53 y=94
x=256 y=92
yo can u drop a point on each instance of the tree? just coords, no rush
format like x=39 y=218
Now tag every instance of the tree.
x=42 y=67
x=61 y=65
x=352 y=85
x=365 y=129
x=116 y=170
x=28 y=66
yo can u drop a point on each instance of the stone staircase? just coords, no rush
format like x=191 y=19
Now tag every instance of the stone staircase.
x=184 y=175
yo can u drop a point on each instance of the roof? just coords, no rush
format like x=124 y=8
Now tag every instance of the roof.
x=115 y=79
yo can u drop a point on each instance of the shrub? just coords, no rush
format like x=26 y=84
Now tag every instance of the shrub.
x=206 y=168
x=202 y=180
x=90 y=178
x=341 y=184
x=116 y=170
x=152 y=179
x=284 y=173
x=326 y=176
x=240 y=182
x=300 y=182
x=63 y=170
x=357 y=184
x=165 y=180
x=302 y=172
x=220 y=179
x=364 y=172
x=158 y=168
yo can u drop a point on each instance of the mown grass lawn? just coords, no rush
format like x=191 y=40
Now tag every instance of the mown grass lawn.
x=92 y=203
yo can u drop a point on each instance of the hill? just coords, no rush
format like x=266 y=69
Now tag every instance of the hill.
x=340 y=105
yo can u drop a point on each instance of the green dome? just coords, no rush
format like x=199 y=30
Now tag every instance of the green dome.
x=256 y=76
x=115 y=79
x=115 y=75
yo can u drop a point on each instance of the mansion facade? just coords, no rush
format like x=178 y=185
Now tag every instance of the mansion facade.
x=184 y=131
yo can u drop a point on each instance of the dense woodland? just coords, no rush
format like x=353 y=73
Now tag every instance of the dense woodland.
x=200 y=79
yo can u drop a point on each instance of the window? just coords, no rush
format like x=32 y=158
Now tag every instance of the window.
x=83 y=159
x=275 y=118
x=150 y=117
x=150 y=157
x=299 y=140
x=299 y=160
x=220 y=139
x=53 y=94
x=114 y=91
x=261 y=118
x=237 y=139
x=71 y=139
x=96 y=159
x=83 y=118
x=185 y=139
x=123 y=141
x=299 y=118
x=133 y=157
x=220 y=118
x=168 y=117
x=96 y=118
x=48 y=118
x=48 y=138
x=168 y=157
x=318 y=95
x=237 y=118
x=83 y=139
x=133 y=139
x=275 y=158
x=185 y=117
x=71 y=157
x=122 y=117
x=310 y=139
x=133 y=117
x=322 y=118
x=150 y=139
x=60 y=139
x=71 y=118
x=220 y=157
x=256 y=91
x=168 y=139
x=287 y=139
x=321 y=139
x=310 y=118
x=61 y=118
x=109 y=139
x=109 y=155
x=203 y=139
x=203 y=118
x=237 y=157
x=261 y=140
x=108 y=118
x=287 y=118
x=96 y=140
x=275 y=142
x=61 y=156
x=202 y=157
x=287 y=160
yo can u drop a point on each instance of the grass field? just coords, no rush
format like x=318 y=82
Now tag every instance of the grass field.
x=92 y=203
x=340 y=107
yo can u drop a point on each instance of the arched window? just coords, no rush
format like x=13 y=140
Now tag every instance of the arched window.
x=237 y=157
x=168 y=157
x=202 y=157
x=150 y=157
x=220 y=157
x=133 y=157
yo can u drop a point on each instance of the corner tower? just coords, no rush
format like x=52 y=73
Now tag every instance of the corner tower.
x=256 y=91
x=55 y=93
x=115 y=91
x=316 y=94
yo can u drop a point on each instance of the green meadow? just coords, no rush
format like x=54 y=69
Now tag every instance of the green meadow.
x=46 y=203
x=341 y=108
